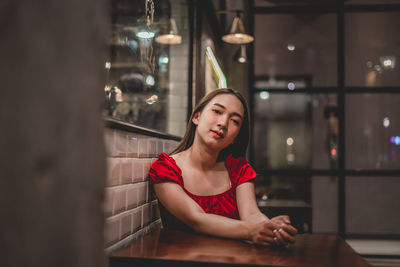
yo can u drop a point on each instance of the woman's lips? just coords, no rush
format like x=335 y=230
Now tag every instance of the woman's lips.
x=218 y=135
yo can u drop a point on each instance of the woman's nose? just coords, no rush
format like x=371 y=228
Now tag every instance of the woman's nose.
x=223 y=121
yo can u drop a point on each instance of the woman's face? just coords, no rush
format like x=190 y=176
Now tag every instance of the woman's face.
x=220 y=121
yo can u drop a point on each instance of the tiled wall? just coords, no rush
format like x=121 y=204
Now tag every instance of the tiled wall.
x=130 y=209
x=178 y=71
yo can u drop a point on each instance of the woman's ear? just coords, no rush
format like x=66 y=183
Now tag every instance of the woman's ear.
x=195 y=118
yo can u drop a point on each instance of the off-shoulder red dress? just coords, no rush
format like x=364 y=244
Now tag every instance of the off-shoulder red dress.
x=165 y=169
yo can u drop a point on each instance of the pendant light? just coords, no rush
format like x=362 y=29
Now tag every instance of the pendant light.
x=241 y=56
x=237 y=34
x=170 y=34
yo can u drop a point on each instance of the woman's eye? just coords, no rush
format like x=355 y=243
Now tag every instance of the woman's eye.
x=235 y=121
x=216 y=111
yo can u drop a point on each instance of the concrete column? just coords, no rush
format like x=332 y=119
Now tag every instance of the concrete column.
x=52 y=157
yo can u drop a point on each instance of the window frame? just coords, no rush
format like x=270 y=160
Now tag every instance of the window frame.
x=340 y=9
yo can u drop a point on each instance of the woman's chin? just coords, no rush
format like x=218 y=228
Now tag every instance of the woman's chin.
x=217 y=143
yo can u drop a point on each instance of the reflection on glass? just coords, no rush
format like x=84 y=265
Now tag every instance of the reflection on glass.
x=324 y=199
x=371 y=123
x=264 y=95
x=395 y=140
x=386 y=122
x=365 y=2
x=381 y=196
x=146 y=81
x=277 y=195
x=283 y=187
x=277 y=119
x=296 y=46
x=269 y=3
x=216 y=68
x=295 y=131
x=291 y=47
x=282 y=82
x=371 y=47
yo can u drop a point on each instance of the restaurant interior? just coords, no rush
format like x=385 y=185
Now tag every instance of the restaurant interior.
x=321 y=78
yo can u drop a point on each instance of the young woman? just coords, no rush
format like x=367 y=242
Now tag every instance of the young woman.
x=206 y=184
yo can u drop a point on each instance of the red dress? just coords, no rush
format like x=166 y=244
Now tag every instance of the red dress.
x=224 y=204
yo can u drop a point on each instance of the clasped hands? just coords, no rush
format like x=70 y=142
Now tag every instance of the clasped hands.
x=276 y=231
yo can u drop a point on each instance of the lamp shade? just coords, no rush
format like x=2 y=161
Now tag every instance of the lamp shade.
x=170 y=35
x=237 y=33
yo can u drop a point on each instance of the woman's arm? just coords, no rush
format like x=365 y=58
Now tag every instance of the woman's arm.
x=178 y=203
x=247 y=205
x=249 y=211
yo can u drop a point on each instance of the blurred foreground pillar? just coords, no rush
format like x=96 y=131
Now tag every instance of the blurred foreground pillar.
x=52 y=158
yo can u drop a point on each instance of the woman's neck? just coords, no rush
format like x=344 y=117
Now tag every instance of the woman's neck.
x=201 y=157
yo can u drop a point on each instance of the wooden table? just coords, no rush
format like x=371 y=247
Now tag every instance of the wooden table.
x=176 y=248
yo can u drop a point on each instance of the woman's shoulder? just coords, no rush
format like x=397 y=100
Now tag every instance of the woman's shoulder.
x=164 y=169
x=164 y=157
x=164 y=161
x=239 y=169
x=176 y=156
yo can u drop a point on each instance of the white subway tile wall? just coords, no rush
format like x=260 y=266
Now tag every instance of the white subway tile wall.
x=132 y=196
x=146 y=214
x=114 y=171
x=130 y=208
x=142 y=193
x=160 y=147
x=137 y=219
x=143 y=148
x=119 y=200
x=111 y=231
x=178 y=73
x=108 y=203
x=121 y=143
x=138 y=170
x=133 y=146
x=126 y=224
x=126 y=170
x=152 y=147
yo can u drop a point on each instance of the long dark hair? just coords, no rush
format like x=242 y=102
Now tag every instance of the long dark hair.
x=239 y=146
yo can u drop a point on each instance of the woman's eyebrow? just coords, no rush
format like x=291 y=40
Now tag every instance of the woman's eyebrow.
x=234 y=113
x=219 y=105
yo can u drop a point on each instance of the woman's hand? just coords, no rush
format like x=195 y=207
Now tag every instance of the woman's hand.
x=285 y=233
x=262 y=233
x=267 y=232
x=276 y=231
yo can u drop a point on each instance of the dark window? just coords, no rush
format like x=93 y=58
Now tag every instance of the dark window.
x=372 y=131
x=372 y=49
x=326 y=116
x=294 y=45
x=146 y=79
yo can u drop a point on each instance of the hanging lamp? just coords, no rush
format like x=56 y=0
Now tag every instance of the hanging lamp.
x=170 y=34
x=237 y=34
x=241 y=56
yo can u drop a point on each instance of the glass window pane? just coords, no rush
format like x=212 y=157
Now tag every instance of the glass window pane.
x=295 y=131
x=372 y=49
x=277 y=195
x=325 y=131
x=324 y=195
x=146 y=79
x=268 y=3
x=372 y=131
x=293 y=47
x=283 y=187
x=372 y=205
x=364 y=2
